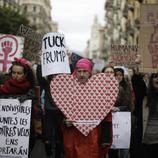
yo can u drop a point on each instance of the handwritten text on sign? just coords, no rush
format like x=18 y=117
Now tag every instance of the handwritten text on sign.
x=121 y=130
x=54 y=58
x=124 y=55
x=14 y=128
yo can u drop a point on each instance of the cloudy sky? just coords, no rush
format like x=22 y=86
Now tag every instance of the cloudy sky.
x=75 y=18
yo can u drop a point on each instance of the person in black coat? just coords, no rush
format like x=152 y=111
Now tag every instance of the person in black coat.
x=140 y=90
x=20 y=85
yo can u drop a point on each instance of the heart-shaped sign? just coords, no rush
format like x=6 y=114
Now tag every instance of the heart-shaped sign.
x=86 y=105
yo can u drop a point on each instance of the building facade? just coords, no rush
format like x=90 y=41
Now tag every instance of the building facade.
x=38 y=12
x=123 y=22
x=96 y=45
x=14 y=4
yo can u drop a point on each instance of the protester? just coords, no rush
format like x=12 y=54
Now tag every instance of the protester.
x=128 y=104
x=128 y=79
x=108 y=69
x=120 y=76
x=106 y=124
x=150 y=138
x=140 y=89
x=21 y=85
x=52 y=119
x=123 y=102
x=76 y=144
x=146 y=79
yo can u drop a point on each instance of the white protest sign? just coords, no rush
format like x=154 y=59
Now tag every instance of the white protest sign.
x=54 y=58
x=14 y=128
x=121 y=130
x=10 y=46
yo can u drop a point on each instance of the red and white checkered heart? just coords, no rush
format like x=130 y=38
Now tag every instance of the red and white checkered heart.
x=86 y=105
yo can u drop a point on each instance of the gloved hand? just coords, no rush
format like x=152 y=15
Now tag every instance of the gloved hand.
x=68 y=123
x=115 y=109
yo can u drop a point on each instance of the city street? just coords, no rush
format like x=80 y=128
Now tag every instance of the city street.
x=78 y=80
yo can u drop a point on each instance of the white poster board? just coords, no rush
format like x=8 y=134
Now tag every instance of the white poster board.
x=14 y=128
x=54 y=57
x=121 y=130
x=10 y=46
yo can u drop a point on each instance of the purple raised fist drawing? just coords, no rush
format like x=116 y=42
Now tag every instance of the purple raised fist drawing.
x=6 y=47
x=153 y=46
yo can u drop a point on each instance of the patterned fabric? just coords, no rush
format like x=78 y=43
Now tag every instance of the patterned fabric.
x=86 y=105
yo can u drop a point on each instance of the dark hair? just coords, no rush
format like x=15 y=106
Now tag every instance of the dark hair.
x=107 y=66
x=120 y=70
x=123 y=83
x=27 y=71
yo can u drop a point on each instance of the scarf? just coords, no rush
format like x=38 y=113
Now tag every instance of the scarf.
x=12 y=86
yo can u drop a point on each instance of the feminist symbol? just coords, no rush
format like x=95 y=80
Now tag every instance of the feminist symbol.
x=8 y=48
x=153 y=46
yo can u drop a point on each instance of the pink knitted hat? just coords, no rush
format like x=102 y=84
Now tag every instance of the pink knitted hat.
x=85 y=64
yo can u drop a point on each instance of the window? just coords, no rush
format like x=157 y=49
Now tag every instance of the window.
x=25 y=8
x=34 y=8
